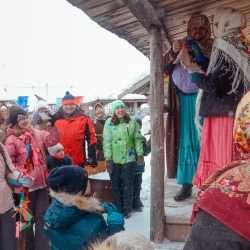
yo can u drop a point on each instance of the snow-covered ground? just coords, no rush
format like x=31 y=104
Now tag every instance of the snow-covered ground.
x=140 y=221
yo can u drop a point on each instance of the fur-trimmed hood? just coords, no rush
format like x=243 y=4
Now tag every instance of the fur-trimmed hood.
x=89 y=204
x=67 y=209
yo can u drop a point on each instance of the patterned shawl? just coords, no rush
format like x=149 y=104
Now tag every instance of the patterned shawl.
x=231 y=45
x=229 y=186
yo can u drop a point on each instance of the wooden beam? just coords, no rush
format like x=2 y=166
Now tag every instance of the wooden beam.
x=144 y=11
x=157 y=214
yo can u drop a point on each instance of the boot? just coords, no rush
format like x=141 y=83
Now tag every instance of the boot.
x=185 y=192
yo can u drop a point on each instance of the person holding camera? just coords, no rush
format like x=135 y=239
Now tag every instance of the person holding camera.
x=74 y=220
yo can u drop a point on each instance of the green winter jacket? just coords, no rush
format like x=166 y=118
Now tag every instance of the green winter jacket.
x=123 y=142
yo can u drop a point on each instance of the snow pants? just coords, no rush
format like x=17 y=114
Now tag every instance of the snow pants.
x=137 y=191
x=8 y=238
x=122 y=179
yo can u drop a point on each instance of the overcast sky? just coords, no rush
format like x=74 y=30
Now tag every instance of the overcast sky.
x=51 y=42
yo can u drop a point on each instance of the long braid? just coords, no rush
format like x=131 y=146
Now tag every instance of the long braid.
x=2 y=152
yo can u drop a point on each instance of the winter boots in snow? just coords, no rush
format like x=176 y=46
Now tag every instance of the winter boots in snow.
x=185 y=192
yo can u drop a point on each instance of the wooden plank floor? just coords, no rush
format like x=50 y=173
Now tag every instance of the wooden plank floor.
x=177 y=213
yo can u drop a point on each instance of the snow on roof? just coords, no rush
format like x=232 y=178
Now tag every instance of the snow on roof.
x=88 y=99
x=134 y=96
x=136 y=80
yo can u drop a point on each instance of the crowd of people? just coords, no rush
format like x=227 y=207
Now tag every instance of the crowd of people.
x=207 y=145
x=60 y=151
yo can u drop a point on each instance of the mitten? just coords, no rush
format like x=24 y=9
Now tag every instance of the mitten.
x=109 y=207
x=36 y=118
x=92 y=162
x=113 y=218
x=55 y=117
x=193 y=77
x=109 y=166
x=25 y=181
x=140 y=161
x=92 y=156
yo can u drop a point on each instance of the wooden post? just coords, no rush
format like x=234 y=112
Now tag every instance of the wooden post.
x=135 y=106
x=157 y=214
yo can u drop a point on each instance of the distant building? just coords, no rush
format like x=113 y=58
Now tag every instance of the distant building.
x=133 y=103
x=8 y=102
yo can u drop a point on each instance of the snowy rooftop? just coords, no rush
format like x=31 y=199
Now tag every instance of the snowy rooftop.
x=127 y=97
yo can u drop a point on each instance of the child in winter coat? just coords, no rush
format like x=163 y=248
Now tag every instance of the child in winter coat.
x=74 y=221
x=7 y=222
x=57 y=157
x=122 y=146
x=139 y=169
x=23 y=139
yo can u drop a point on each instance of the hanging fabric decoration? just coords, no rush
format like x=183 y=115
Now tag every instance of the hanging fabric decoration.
x=22 y=209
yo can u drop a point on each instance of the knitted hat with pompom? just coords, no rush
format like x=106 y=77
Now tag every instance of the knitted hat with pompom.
x=68 y=99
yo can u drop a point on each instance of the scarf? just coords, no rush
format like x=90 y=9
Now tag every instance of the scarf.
x=100 y=118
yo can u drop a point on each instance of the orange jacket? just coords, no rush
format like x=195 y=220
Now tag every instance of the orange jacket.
x=74 y=133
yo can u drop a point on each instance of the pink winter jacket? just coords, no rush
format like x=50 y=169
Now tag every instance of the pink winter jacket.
x=17 y=151
x=6 y=200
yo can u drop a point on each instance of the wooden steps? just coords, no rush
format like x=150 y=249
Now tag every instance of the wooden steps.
x=177 y=214
x=169 y=246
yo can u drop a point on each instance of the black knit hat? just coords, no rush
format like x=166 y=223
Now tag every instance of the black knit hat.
x=70 y=179
x=16 y=115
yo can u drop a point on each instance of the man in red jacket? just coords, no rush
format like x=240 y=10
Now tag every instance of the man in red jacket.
x=76 y=128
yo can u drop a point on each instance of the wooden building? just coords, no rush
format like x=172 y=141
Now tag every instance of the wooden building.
x=151 y=26
x=132 y=104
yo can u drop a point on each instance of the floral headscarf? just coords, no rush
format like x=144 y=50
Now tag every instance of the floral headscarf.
x=231 y=45
x=228 y=20
x=187 y=56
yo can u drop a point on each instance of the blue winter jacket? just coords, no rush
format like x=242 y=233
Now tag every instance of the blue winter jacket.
x=74 y=222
